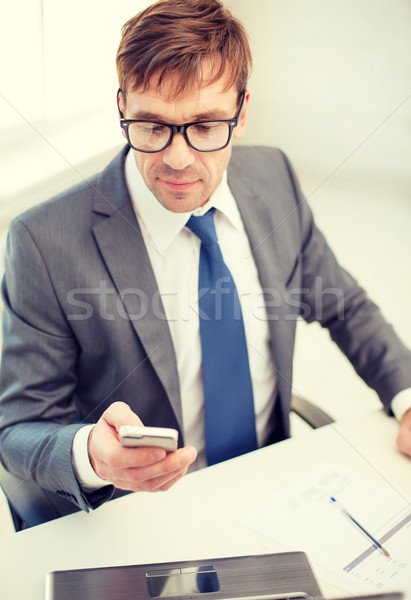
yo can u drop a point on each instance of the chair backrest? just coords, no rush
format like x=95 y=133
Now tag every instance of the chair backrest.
x=312 y=414
x=29 y=504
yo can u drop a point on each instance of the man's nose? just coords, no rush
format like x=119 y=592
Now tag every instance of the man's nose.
x=178 y=155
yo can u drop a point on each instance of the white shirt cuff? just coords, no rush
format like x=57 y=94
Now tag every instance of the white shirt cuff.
x=86 y=475
x=401 y=403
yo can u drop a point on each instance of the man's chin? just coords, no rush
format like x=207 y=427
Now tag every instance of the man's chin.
x=180 y=202
x=177 y=207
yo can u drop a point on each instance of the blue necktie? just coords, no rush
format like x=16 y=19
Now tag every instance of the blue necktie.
x=228 y=393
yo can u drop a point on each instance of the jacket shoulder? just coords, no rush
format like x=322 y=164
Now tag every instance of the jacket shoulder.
x=77 y=201
x=260 y=163
x=254 y=155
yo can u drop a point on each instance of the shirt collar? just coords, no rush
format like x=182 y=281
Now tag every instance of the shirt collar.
x=162 y=226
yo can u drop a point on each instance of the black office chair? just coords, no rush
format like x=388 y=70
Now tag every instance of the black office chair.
x=31 y=505
x=310 y=413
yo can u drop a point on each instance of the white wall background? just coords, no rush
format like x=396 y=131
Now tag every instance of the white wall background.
x=332 y=84
x=57 y=93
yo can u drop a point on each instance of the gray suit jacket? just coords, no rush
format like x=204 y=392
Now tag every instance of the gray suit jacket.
x=81 y=323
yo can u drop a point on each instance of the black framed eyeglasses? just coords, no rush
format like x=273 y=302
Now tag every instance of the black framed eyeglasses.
x=203 y=136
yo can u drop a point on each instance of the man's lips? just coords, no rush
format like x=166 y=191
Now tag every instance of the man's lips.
x=179 y=185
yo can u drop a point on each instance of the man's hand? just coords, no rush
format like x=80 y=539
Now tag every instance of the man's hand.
x=134 y=469
x=404 y=436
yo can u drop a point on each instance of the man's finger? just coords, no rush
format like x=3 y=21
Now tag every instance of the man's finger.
x=117 y=460
x=172 y=463
x=151 y=485
x=404 y=434
x=118 y=414
x=155 y=476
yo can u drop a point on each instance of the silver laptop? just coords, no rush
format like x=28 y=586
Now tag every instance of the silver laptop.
x=282 y=576
x=261 y=577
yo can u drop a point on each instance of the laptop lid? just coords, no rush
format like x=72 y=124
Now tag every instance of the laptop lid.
x=379 y=596
x=260 y=577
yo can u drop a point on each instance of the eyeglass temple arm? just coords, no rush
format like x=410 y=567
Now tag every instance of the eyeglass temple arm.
x=242 y=106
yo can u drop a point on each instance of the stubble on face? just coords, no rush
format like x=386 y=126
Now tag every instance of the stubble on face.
x=180 y=190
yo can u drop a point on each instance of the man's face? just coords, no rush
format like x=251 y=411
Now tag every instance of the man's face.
x=181 y=178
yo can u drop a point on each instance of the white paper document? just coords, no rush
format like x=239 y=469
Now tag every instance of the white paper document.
x=302 y=517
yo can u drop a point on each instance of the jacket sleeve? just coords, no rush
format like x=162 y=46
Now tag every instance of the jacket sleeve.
x=38 y=417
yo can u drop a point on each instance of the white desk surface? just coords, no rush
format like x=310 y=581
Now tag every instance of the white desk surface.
x=201 y=516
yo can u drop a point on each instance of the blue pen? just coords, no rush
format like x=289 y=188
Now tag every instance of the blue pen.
x=360 y=527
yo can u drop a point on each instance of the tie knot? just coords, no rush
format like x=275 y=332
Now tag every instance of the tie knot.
x=204 y=228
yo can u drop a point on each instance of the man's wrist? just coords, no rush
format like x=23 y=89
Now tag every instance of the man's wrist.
x=401 y=403
x=87 y=477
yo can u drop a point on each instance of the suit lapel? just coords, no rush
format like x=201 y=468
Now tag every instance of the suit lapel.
x=260 y=229
x=123 y=250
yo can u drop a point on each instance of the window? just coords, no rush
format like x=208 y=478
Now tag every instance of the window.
x=57 y=88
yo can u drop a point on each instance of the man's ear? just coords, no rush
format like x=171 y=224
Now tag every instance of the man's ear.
x=240 y=129
x=121 y=109
x=121 y=104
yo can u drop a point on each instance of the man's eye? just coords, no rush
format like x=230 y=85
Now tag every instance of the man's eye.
x=147 y=129
x=155 y=130
x=203 y=128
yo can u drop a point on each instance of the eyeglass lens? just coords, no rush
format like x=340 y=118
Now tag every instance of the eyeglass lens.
x=151 y=137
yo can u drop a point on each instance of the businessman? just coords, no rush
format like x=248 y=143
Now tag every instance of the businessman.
x=166 y=290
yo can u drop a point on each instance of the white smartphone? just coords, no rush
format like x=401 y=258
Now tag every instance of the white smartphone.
x=160 y=437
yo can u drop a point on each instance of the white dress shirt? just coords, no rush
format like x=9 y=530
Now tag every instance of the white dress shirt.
x=174 y=253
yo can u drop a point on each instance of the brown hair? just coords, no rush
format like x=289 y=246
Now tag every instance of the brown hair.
x=174 y=37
